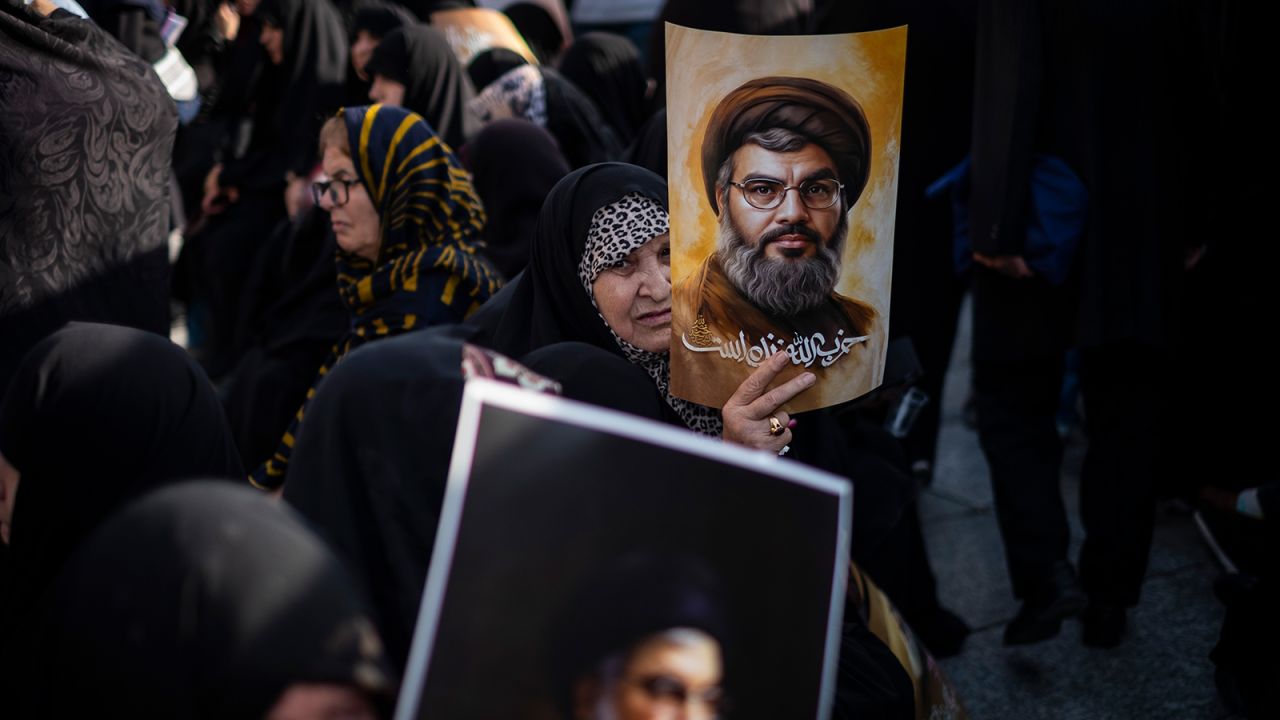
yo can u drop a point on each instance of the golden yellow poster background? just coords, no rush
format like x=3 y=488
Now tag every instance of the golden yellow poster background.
x=703 y=67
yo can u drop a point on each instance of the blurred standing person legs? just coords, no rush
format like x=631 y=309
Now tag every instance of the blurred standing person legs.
x=1101 y=89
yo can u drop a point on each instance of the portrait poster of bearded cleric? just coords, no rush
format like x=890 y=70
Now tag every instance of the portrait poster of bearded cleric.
x=783 y=173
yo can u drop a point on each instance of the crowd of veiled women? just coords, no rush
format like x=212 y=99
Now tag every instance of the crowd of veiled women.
x=367 y=223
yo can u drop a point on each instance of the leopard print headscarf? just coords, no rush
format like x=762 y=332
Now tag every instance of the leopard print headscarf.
x=616 y=231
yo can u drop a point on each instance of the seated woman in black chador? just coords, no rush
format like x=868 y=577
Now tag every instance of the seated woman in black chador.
x=95 y=416
x=208 y=600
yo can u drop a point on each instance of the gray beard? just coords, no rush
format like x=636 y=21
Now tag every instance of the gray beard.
x=780 y=287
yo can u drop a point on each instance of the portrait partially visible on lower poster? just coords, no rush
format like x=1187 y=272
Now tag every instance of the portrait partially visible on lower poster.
x=783 y=160
x=629 y=569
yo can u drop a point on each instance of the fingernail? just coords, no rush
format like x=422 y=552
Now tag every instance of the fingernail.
x=810 y=378
x=791 y=423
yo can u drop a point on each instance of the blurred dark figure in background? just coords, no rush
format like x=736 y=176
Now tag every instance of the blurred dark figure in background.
x=541 y=31
x=301 y=83
x=752 y=17
x=607 y=68
x=514 y=165
x=414 y=68
x=1220 y=429
x=373 y=21
x=1102 y=87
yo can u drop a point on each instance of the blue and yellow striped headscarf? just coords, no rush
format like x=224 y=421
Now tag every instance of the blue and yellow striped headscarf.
x=427 y=271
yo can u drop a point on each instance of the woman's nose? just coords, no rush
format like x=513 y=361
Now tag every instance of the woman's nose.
x=655 y=282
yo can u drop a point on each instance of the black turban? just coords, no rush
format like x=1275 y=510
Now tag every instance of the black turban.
x=823 y=113
x=635 y=597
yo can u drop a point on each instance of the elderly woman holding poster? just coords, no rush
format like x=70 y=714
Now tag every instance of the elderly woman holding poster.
x=599 y=273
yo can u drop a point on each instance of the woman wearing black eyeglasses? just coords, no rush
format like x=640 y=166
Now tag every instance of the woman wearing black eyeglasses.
x=407 y=222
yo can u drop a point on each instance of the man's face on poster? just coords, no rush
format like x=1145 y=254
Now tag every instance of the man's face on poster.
x=784 y=258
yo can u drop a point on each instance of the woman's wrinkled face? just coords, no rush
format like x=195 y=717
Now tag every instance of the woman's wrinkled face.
x=634 y=296
x=9 y=476
x=355 y=223
x=272 y=39
x=361 y=50
x=386 y=91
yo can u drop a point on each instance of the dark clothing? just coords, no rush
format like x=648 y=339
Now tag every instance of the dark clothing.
x=576 y=123
x=538 y=28
x=1018 y=392
x=750 y=17
x=206 y=600
x=214 y=269
x=649 y=150
x=95 y=416
x=1101 y=86
x=85 y=139
x=201 y=42
x=607 y=68
x=287 y=105
x=514 y=164
x=870 y=681
x=297 y=96
x=1126 y=393
x=370 y=468
x=295 y=316
x=436 y=87
x=590 y=374
x=133 y=22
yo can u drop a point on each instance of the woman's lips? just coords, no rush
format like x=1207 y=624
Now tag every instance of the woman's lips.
x=655 y=319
